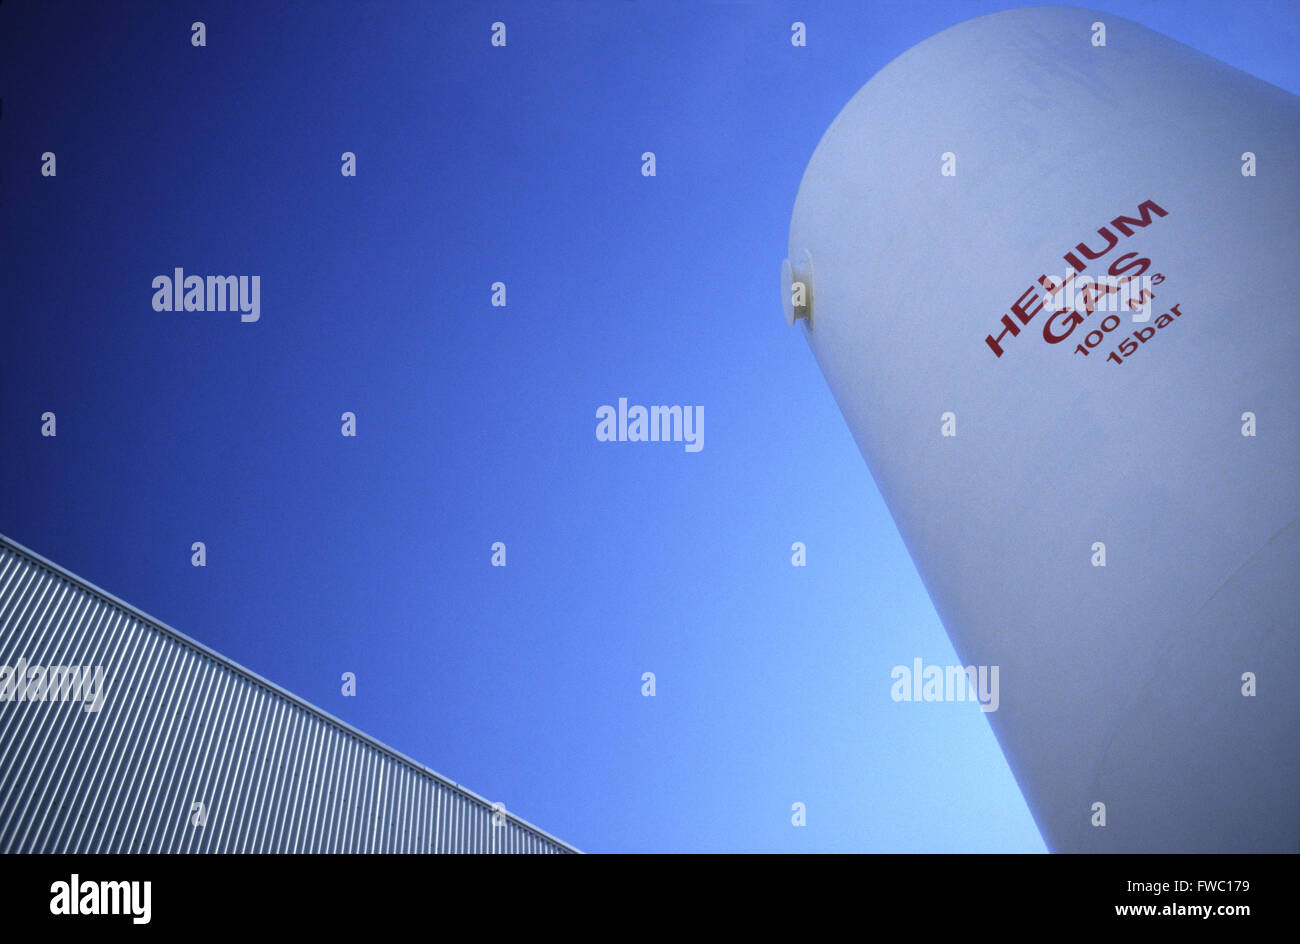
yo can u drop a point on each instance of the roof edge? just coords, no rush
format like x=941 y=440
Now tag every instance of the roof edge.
x=252 y=676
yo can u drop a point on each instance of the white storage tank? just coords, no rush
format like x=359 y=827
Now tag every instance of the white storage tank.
x=1105 y=508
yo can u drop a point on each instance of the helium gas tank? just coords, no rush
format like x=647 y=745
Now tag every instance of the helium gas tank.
x=1050 y=284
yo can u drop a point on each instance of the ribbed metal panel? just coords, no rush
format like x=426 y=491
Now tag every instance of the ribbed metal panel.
x=180 y=725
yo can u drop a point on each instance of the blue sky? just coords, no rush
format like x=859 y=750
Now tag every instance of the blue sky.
x=476 y=424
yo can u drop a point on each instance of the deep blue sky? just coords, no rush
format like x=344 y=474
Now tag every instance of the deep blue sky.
x=476 y=424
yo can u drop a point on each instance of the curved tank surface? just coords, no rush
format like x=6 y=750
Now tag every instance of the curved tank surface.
x=1047 y=273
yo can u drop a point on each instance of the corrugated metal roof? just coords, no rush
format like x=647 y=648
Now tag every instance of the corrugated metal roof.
x=181 y=725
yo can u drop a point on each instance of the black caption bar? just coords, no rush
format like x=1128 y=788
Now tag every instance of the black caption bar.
x=301 y=894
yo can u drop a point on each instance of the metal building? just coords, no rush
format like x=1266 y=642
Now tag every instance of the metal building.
x=120 y=734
